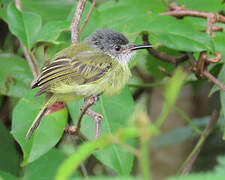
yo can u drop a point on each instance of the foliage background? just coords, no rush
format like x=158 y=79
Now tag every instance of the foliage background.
x=144 y=124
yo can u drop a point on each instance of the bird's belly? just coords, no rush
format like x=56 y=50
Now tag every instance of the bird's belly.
x=110 y=84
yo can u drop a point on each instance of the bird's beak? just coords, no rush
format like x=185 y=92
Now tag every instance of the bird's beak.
x=140 y=46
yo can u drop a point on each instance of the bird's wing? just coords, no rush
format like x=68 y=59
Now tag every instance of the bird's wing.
x=84 y=68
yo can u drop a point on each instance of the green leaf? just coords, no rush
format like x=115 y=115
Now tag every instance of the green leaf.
x=117 y=111
x=3 y=9
x=25 y=25
x=51 y=31
x=153 y=64
x=50 y=10
x=48 y=133
x=15 y=75
x=45 y=167
x=177 y=35
x=7 y=176
x=129 y=16
x=73 y=162
x=219 y=42
x=209 y=5
x=8 y=154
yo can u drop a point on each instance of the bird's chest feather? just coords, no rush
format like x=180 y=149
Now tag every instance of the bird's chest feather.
x=116 y=80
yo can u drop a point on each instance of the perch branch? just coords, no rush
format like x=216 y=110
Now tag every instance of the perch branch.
x=87 y=17
x=76 y=21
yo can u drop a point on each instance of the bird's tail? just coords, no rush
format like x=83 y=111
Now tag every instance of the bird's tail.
x=50 y=100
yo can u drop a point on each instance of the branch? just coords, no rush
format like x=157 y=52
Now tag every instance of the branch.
x=76 y=21
x=163 y=56
x=30 y=60
x=75 y=130
x=214 y=80
x=188 y=163
x=87 y=17
x=180 y=11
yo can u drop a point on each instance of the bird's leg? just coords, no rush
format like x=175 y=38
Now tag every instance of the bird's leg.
x=96 y=116
x=89 y=101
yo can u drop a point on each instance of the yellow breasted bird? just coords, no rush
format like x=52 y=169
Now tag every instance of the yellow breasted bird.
x=97 y=65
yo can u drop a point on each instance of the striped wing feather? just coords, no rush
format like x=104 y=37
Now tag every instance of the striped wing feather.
x=85 y=68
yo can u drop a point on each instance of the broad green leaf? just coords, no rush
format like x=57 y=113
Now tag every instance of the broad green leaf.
x=8 y=154
x=117 y=111
x=153 y=64
x=51 y=31
x=15 y=75
x=202 y=5
x=50 y=10
x=45 y=167
x=129 y=16
x=219 y=42
x=177 y=35
x=72 y=163
x=3 y=9
x=25 y=25
x=7 y=176
x=48 y=133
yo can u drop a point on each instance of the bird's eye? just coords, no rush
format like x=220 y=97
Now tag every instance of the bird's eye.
x=117 y=47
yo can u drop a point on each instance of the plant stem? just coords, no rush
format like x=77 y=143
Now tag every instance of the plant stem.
x=144 y=159
x=187 y=118
x=76 y=21
x=188 y=163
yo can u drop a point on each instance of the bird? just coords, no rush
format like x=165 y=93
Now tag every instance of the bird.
x=98 y=64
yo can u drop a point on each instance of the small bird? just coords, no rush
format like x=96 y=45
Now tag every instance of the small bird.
x=97 y=65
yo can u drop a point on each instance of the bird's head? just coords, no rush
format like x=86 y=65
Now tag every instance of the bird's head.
x=114 y=44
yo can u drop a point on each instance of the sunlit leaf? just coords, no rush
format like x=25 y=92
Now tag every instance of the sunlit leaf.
x=48 y=133
x=25 y=25
x=117 y=111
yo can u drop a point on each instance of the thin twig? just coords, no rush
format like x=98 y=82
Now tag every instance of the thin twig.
x=87 y=17
x=97 y=118
x=82 y=166
x=76 y=21
x=179 y=11
x=31 y=61
x=163 y=56
x=188 y=163
x=18 y=5
x=214 y=80
x=47 y=61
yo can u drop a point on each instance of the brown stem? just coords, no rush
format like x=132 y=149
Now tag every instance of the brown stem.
x=214 y=59
x=18 y=5
x=162 y=56
x=214 y=80
x=76 y=21
x=47 y=61
x=186 y=167
x=87 y=17
x=30 y=60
